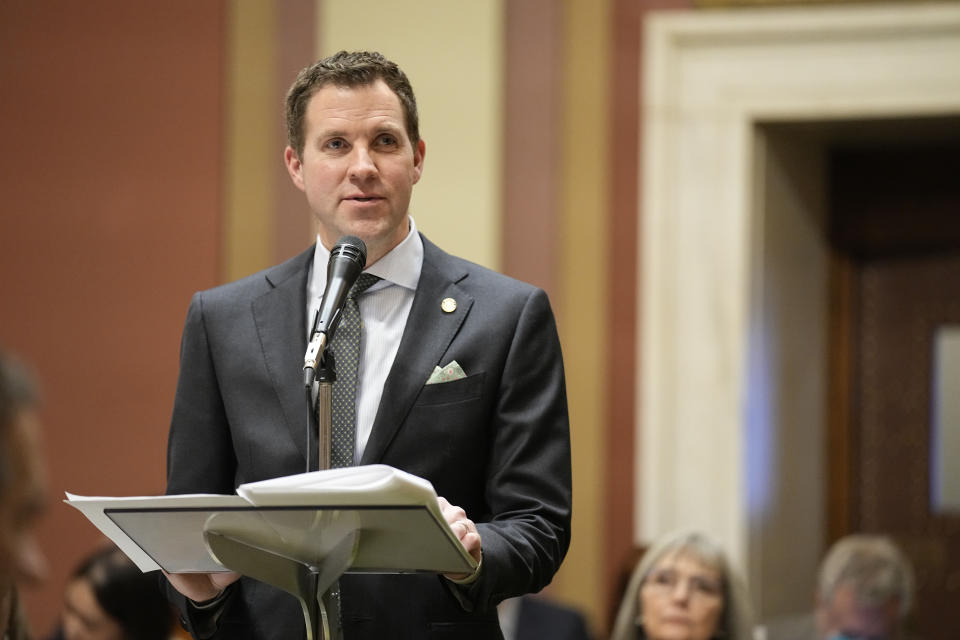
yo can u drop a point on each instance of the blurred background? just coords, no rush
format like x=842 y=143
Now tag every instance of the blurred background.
x=747 y=219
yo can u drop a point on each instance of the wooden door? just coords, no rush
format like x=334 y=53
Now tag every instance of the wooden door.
x=895 y=227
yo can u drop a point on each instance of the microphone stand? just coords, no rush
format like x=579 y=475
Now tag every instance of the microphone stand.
x=326 y=376
x=328 y=603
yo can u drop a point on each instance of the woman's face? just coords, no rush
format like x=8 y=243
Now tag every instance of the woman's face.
x=83 y=618
x=681 y=599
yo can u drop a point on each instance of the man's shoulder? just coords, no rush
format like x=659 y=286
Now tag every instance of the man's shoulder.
x=256 y=284
x=473 y=276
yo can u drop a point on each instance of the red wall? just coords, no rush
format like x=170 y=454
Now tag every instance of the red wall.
x=626 y=96
x=110 y=177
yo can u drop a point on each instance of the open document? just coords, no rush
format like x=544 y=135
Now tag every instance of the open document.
x=395 y=516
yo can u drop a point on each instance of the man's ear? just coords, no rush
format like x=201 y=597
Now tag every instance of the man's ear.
x=418 y=154
x=294 y=167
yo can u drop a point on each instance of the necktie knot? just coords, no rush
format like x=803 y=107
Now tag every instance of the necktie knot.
x=364 y=282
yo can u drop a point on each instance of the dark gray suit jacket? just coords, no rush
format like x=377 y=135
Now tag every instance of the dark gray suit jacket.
x=495 y=443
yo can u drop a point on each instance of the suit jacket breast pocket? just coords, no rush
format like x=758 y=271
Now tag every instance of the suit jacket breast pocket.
x=452 y=392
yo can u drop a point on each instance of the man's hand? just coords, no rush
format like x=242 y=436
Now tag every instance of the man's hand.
x=200 y=587
x=465 y=530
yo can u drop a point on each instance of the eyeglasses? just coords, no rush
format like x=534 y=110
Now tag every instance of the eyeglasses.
x=666 y=581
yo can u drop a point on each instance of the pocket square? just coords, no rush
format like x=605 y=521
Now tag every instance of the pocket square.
x=446 y=373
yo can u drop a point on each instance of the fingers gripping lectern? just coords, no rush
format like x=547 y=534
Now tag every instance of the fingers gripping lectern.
x=298 y=533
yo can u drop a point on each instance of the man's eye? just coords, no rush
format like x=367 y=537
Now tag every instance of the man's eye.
x=335 y=144
x=387 y=140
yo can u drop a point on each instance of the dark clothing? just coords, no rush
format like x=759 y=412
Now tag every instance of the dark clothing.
x=495 y=443
x=539 y=618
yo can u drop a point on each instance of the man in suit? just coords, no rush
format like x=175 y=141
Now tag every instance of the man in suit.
x=494 y=441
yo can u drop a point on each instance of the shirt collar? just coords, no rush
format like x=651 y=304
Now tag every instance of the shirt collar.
x=401 y=265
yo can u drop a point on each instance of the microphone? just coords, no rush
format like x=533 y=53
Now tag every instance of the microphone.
x=347 y=259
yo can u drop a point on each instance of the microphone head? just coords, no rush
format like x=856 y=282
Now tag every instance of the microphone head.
x=347 y=259
x=352 y=248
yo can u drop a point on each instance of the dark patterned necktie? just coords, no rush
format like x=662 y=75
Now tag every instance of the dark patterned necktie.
x=346 y=352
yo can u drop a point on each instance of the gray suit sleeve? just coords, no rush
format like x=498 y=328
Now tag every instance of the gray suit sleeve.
x=528 y=483
x=200 y=456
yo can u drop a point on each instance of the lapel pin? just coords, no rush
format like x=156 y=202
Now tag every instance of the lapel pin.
x=449 y=305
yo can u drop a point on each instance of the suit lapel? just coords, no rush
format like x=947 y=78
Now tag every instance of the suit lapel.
x=280 y=317
x=426 y=338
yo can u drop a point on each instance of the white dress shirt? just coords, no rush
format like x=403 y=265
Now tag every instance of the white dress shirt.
x=384 y=308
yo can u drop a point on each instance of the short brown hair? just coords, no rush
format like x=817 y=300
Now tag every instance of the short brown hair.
x=348 y=69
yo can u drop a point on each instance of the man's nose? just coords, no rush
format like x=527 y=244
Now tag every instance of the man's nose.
x=362 y=165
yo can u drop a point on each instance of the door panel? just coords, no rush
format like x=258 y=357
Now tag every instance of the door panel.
x=896 y=223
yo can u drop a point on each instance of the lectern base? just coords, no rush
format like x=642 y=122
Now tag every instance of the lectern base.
x=314 y=586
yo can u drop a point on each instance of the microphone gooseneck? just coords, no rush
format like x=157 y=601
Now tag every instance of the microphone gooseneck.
x=347 y=260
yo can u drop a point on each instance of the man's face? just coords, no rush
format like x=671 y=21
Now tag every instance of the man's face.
x=358 y=166
x=842 y=617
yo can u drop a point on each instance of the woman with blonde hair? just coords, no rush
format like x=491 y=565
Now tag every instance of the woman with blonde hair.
x=684 y=589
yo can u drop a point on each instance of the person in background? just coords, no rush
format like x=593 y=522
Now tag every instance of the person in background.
x=864 y=592
x=535 y=617
x=684 y=588
x=22 y=493
x=109 y=598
